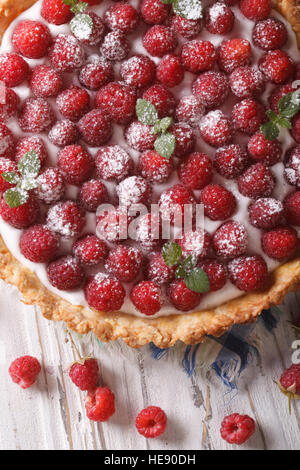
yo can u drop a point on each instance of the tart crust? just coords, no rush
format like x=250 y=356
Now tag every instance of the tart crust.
x=164 y=331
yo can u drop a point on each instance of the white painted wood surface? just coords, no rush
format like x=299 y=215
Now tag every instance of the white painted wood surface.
x=51 y=414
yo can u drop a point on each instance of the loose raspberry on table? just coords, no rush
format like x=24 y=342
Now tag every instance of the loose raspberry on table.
x=154 y=168
x=118 y=101
x=195 y=243
x=216 y=128
x=266 y=213
x=230 y=240
x=248 y=273
x=24 y=371
x=195 y=171
x=95 y=128
x=76 y=164
x=85 y=374
x=50 y=186
x=100 y=404
x=257 y=181
x=90 y=250
x=66 y=53
x=211 y=89
x=219 y=203
x=28 y=144
x=181 y=297
x=279 y=93
x=115 y=46
x=280 y=243
x=147 y=297
x=292 y=208
x=13 y=69
x=172 y=203
x=170 y=71
x=290 y=381
x=216 y=272
x=112 y=225
x=162 y=99
x=188 y=29
x=154 y=11
x=64 y=133
x=113 y=163
x=45 y=82
x=31 y=39
x=139 y=136
x=8 y=104
x=149 y=232
x=198 y=56
x=93 y=193
x=231 y=161
x=22 y=216
x=264 y=150
x=255 y=10
x=66 y=218
x=104 y=294
x=292 y=167
x=6 y=165
x=159 y=40
x=248 y=115
x=138 y=71
x=122 y=17
x=277 y=66
x=96 y=36
x=56 y=12
x=7 y=142
x=246 y=82
x=73 y=103
x=219 y=19
x=65 y=273
x=185 y=139
x=124 y=263
x=157 y=270
x=269 y=34
x=134 y=190
x=96 y=73
x=234 y=53
x=237 y=429
x=151 y=422
x=36 y=115
x=296 y=128
x=39 y=244
x=190 y=110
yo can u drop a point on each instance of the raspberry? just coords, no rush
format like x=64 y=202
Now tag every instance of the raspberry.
x=290 y=381
x=95 y=128
x=216 y=272
x=219 y=203
x=115 y=46
x=45 y=82
x=147 y=297
x=154 y=11
x=29 y=144
x=236 y=428
x=36 y=115
x=104 y=294
x=277 y=66
x=66 y=53
x=13 y=69
x=219 y=19
x=138 y=71
x=184 y=138
x=124 y=263
x=195 y=243
x=121 y=17
x=157 y=270
x=248 y=273
x=255 y=10
x=234 y=53
x=170 y=71
x=50 y=186
x=159 y=40
x=269 y=34
x=90 y=250
x=112 y=225
x=292 y=169
x=162 y=99
x=84 y=374
x=196 y=171
x=96 y=73
x=66 y=218
x=183 y=298
x=151 y=422
x=188 y=29
x=73 y=103
x=6 y=165
x=246 y=82
x=266 y=213
x=96 y=36
x=56 y=12
x=172 y=202
x=100 y=404
x=139 y=136
x=292 y=208
x=279 y=93
x=211 y=89
x=198 y=56
x=39 y=244
x=8 y=104
x=148 y=232
x=216 y=128
x=65 y=273
x=154 y=168
x=248 y=116
x=31 y=39
x=63 y=133
x=7 y=142
x=296 y=128
x=76 y=164
x=190 y=110
x=134 y=190
x=280 y=243
x=230 y=240
x=93 y=193
x=113 y=163
x=118 y=101
x=231 y=161
x=257 y=181
x=24 y=371
x=264 y=150
x=22 y=216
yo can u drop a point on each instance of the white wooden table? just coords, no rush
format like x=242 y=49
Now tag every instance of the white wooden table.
x=51 y=414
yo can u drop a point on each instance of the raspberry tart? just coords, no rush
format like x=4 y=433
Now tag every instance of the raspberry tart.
x=140 y=102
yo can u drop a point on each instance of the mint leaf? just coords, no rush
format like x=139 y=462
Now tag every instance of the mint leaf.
x=82 y=26
x=146 y=112
x=16 y=197
x=167 y=2
x=270 y=130
x=171 y=253
x=189 y=9
x=162 y=125
x=271 y=115
x=165 y=145
x=81 y=6
x=11 y=177
x=286 y=107
x=285 y=123
x=28 y=183
x=197 y=281
x=190 y=262
x=180 y=272
x=70 y=3
x=29 y=165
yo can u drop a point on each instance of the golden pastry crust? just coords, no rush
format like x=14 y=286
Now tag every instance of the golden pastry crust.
x=135 y=331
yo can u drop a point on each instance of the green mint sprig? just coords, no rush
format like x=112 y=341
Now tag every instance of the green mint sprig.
x=288 y=107
x=147 y=114
x=29 y=167
x=82 y=24
x=188 y=9
x=195 y=278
